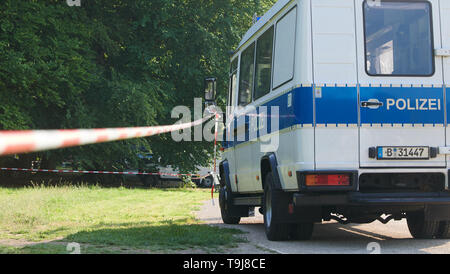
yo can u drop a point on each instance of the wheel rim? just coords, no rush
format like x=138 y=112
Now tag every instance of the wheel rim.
x=268 y=208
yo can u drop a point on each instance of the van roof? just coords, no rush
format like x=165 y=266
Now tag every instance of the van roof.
x=261 y=22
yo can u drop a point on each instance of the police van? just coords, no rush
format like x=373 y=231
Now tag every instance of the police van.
x=361 y=95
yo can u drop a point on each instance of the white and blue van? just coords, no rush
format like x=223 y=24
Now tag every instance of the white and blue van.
x=362 y=89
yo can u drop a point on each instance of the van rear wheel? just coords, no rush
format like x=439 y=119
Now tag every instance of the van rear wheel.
x=420 y=228
x=274 y=231
x=225 y=200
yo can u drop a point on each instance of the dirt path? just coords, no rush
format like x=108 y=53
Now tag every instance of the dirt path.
x=331 y=237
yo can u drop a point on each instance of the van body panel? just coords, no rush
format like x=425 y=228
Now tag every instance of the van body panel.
x=295 y=110
x=412 y=112
x=334 y=42
x=335 y=78
x=445 y=30
x=408 y=117
x=336 y=128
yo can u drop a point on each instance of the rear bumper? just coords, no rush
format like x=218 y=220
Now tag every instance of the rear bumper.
x=386 y=188
x=373 y=199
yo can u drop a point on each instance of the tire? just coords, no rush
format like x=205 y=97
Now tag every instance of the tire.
x=421 y=229
x=207 y=182
x=444 y=230
x=225 y=203
x=274 y=231
x=302 y=231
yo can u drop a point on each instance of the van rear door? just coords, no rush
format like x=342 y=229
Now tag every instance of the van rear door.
x=401 y=106
x=445 y=52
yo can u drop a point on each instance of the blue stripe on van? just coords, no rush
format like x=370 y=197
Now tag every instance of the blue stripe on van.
x=404 y=105
x=295 y=107
x=447 y=91
x=303 y=106
x=337 y=105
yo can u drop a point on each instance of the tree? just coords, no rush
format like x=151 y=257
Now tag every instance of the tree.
x=113 y=63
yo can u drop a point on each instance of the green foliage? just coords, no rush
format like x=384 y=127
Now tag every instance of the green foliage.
x=188 y=183
x=113 y=63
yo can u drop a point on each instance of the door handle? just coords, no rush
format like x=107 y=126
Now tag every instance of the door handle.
x=372 y=104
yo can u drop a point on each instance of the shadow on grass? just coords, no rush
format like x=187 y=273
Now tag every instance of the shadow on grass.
x=117 y=238
x=161 y=237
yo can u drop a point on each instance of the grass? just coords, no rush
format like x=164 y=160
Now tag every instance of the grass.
x=106 y=220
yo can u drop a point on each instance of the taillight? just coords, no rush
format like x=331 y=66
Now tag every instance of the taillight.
x=328 y=180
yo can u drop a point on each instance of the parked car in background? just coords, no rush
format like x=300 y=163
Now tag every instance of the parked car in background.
x=150 y=164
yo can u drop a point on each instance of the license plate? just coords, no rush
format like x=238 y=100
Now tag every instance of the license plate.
x=403 y=153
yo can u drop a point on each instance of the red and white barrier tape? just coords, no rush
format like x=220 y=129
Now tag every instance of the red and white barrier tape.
x=216 y=133
x=17 y=142
x=101 y=172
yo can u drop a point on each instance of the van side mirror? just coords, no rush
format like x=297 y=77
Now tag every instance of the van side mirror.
x=210 y=89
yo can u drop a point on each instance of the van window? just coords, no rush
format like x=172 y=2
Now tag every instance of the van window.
x=263 y=74
x=398 y=38
x=283 y=65
x=233 y=82
x=246 y=75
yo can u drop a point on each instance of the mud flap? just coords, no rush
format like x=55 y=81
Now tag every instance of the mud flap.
x=239 y=211
x=286 y=212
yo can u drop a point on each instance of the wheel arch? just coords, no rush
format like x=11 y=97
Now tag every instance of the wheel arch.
x=224 y=170
x=269 y=163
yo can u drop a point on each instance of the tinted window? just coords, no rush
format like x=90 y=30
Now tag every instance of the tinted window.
x=285 y=39
x=246 y=75
x=398 y=38
x=263 y=74
x=233 y=84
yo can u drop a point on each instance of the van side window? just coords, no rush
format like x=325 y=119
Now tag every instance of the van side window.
x=283 y=65
x=246 y=75
x=263 y=74
x=398 y=38
x=233 y=82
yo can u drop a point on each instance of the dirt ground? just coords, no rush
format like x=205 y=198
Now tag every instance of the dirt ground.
x=332 y=238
